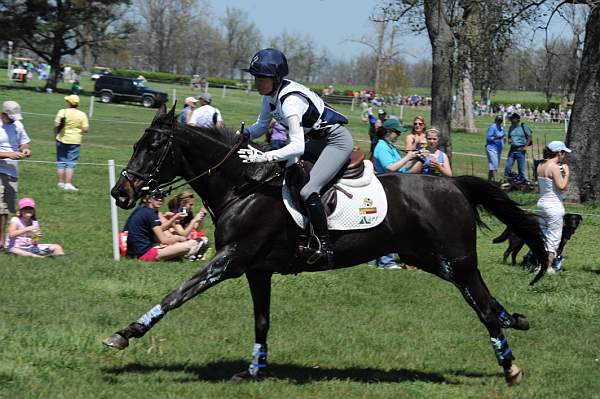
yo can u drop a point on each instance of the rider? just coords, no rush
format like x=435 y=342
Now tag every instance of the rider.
x=304 y=114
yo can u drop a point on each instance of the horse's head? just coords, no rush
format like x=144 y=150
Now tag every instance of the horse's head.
x=153 y=161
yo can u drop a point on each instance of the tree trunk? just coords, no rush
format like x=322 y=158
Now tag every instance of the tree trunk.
x=463 y=114
x=582 y=136
x=442 y=53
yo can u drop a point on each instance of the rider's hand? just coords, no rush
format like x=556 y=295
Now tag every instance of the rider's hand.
x=252 y=155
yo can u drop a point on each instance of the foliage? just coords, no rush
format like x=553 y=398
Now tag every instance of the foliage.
x=54 y=29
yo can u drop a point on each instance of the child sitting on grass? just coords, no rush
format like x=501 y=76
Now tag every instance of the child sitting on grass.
x=24 y=233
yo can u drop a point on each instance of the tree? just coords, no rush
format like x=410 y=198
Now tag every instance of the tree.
x=582 y=135
x=54 y=29
x=241 y=39
x=300 y=52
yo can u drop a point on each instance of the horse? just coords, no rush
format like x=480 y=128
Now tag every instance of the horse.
x=255 y=236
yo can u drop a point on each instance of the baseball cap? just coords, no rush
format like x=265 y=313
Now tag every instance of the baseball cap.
x=72 y=99
x=26 y=202
x=12 y=109
x=381 y=111
x=498 y=118
x=394 y=124
x=556 y=146
x=190 y=100
x=206 y=97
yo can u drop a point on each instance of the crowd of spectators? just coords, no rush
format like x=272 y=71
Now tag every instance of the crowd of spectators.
x=530 y=115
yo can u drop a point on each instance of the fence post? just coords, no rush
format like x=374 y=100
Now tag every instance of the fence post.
x=91 y=111
x=224 y=91
x=402 y=113
x=353 y=101
x=174 y=96
x=113 y=211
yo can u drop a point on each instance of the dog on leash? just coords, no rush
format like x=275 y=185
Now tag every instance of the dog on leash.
x=571 y=222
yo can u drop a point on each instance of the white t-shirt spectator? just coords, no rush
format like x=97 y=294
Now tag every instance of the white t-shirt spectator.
x=206 y=116
x=12 y=136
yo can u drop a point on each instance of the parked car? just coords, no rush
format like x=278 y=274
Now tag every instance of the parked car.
x=111 y=88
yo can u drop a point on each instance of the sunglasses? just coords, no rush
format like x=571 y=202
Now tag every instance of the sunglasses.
x=418 y=124
x=158 y=197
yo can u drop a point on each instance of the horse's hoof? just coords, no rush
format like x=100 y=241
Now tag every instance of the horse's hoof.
x=116 y=341
x=245 y=376
x=513 y=375
x=521 y=322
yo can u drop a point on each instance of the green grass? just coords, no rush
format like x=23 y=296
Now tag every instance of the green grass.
x=356 y=333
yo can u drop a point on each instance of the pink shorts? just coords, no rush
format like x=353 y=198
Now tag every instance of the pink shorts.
x=150 y=256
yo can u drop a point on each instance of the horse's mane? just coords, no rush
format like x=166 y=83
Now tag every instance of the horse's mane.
x=227 y=138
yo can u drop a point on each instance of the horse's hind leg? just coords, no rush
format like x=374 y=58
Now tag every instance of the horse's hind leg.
x=220 y=268
x=493 y=315
x=260 y=288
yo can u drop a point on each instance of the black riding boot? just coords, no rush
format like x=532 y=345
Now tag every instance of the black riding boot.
x=318 y=219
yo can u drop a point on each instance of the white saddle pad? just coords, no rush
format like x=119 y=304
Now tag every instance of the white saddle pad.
x=366 y=209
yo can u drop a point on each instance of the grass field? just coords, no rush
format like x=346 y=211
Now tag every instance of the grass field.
x=354 y=333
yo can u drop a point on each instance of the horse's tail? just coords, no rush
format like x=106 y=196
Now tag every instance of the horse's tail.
x=482 y=194
x=502 y=237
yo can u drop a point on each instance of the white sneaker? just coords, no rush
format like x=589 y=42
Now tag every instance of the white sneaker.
x=70 y=187
x=61 y=185
x=196 y=249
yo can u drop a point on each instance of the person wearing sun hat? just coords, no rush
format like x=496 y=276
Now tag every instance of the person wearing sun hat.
x=206 y=115
x=69 y=125
x=188 y=108
x=14 y=145
x=553 y=178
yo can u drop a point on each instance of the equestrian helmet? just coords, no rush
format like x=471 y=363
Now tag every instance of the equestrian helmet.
x=268 y=62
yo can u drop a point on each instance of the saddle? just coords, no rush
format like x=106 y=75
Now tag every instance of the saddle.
x=351 y=174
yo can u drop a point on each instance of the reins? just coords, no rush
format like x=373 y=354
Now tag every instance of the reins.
x=207 y=172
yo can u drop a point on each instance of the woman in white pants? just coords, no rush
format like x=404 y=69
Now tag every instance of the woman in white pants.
x=553 y=177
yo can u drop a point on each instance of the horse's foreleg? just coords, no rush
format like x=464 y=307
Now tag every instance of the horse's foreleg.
x=220 y=268
x=260 y=288
x=493 y=315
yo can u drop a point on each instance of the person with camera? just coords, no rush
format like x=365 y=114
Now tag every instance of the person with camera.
x=386 y=155
x=186 y=224
x=519 y=138
x=553 y=178
x=430 y=159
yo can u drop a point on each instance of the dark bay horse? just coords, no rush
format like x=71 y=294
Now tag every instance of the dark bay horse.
x=431 y=223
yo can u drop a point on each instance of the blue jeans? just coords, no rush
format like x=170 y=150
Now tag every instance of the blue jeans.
x=517 y=154
x=386 y=260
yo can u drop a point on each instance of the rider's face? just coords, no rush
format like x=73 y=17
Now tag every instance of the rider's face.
x=264 y=85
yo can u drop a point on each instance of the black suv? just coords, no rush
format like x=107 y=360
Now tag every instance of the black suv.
x=115 y=88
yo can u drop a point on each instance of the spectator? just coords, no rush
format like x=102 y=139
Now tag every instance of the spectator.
x=367 y=116
x=553 y=178
x=69 y=125
x=386 y=156
x=14 y=145
x=276 y=135
x=388 y=159
x=493 y=147
x=432 y=161
x=189 y=226
x=188 y=108
x=206 y=115
x=146 y=239
x=519 y=138
x=24 y=233
x=416 y=138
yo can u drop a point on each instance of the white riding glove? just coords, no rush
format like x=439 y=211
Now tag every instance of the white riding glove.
x=252 y=155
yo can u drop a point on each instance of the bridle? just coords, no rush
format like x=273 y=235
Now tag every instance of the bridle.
x=150 y=178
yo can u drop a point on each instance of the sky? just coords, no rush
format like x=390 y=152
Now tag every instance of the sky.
x=332 y=24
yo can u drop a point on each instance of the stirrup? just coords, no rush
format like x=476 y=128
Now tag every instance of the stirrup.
x=310 y=254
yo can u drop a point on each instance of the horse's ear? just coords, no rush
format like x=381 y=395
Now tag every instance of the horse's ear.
x=162 y=110
x=170 y=118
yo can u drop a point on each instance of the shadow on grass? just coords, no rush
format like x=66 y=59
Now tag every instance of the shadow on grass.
x=591 y=269
x=223 y=370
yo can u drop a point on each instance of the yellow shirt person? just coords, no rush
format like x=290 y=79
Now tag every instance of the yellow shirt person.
x=69 y=124
x=76 y=122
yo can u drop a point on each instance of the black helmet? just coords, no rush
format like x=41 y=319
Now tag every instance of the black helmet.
x=268 y=62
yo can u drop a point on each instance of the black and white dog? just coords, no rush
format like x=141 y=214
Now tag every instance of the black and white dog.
x=515 y=243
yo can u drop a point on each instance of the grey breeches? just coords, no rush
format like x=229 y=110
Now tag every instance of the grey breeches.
x=333 y=152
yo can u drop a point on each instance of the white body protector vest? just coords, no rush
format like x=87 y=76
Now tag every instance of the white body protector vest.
x=318 y=115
